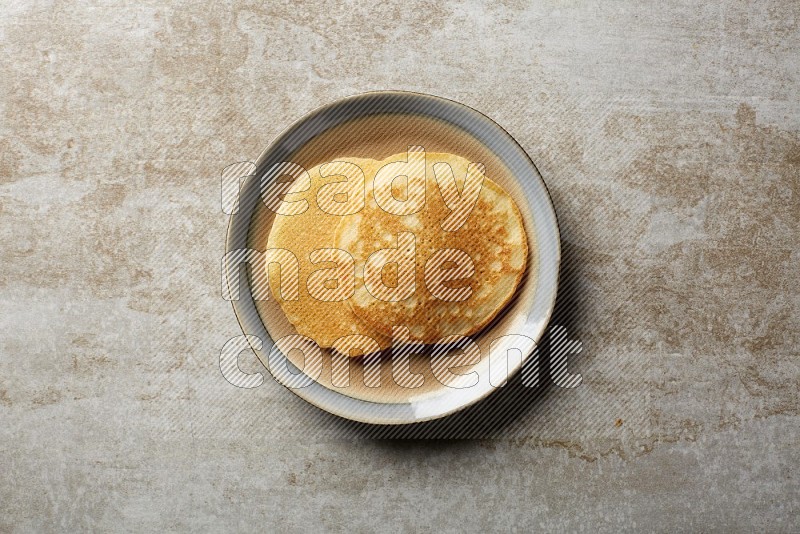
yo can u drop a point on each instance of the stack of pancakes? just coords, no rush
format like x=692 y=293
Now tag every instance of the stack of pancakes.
x=486 y=253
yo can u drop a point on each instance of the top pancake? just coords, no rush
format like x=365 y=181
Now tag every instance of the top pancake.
x=492 y=236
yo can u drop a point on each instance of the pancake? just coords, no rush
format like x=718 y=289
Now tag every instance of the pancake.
x=466 y=269
x=320 y=313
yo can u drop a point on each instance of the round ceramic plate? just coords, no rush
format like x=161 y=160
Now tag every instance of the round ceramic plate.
x=377 y=125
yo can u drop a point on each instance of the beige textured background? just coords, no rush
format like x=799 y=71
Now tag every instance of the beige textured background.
x=669 y=134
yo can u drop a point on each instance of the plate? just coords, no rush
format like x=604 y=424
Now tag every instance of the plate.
x=378 y=124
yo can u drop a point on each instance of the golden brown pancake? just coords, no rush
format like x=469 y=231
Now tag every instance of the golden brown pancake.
x=318 y=314
x=466 y=268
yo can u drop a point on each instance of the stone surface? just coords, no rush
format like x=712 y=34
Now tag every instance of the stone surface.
x=668 y=133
